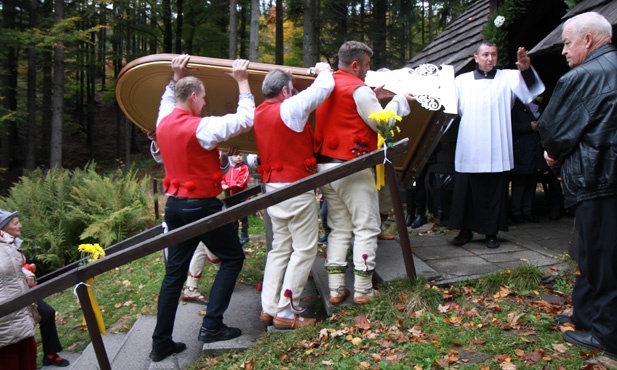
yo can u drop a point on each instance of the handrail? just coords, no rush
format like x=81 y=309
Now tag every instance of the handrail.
x=138 y=248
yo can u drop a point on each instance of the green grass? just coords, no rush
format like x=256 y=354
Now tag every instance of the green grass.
x=471 y=324
x=129 y=291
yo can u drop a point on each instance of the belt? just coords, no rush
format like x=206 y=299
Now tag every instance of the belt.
x=323 y=159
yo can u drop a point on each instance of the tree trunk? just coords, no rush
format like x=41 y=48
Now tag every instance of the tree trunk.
x=179 y=25
x=254 y=36
x=9 y=93
x=379 y=39
x=233 y=29
x=310 y=40
x=279 y=44
x=31 y=131
x=167 y=34
x=57 y=108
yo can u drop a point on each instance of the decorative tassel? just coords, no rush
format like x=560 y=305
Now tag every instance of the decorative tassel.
x=289 y=294
x=365 y=257
x=260 y=286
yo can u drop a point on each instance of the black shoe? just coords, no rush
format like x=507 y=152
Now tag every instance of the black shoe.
x=56 y=360
x=419 y=221
x=492 y=242
x=409 y=220
x=554 y=214
x=585 y=339
x=463 y=237
x=531 y=218
x=224 y=332
x=517 y=219
x=562 y=319
x=159 y=355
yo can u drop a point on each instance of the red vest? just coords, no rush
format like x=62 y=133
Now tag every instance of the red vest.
x=285 y=155
x=340 y=132
x=190 y=170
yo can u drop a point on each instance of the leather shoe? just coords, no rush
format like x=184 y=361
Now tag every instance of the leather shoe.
x=531 y=218
x=492 y=242
x=562 y=319
x=419 y=221
x=517 y=219
x=286 y=324
x=197 y=298
x=463 y=237
x=409 y=220
x=336 y=300
x=585 y=339
x=265 y=317
x=159 y=355
x=223 y=332
x=55 y=360
x=385 y=236
x=554 y=214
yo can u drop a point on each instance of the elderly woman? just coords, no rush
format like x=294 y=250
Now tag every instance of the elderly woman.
x=17 y=344
x=10 y=231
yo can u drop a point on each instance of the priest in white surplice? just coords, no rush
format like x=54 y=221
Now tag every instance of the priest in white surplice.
x=484 y=146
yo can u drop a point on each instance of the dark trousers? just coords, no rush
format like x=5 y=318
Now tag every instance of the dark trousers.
x=323 y=214
x=49 y=333
x=523 y=192
x=415 y=198
x=243 y=226
x=223 y=242
x=480 y=202
x=594 y=297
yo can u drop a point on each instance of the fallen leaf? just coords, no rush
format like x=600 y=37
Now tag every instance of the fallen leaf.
x=561 y=348
x=356 y=341
x=362 y=322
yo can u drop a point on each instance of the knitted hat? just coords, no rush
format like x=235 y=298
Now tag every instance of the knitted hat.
x=6 y=217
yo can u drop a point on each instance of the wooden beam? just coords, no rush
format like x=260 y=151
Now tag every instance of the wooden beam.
x=161 y=241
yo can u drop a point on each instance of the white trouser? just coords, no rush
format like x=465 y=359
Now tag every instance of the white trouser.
x=294 y=246
x=353 y=209
x=198 y=261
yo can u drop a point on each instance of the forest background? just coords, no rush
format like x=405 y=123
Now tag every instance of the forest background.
x=60 y=59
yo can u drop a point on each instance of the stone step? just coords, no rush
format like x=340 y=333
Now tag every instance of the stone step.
x=130 y=351
x=87 y=360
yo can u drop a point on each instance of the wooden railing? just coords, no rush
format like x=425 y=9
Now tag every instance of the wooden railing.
x=154 y=239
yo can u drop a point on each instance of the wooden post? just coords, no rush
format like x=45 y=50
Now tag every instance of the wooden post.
x=93 y=327
x=392 y=181
x=155 y=192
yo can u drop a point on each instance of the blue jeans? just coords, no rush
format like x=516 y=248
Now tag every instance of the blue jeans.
x=223 y=242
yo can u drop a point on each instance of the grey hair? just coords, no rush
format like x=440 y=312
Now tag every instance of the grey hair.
x=274 y=82
x=186 y=86
x=353 y=51
x=590 y=22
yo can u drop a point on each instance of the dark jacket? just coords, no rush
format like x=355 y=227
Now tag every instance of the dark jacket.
x=579 y=123
x=528 y=152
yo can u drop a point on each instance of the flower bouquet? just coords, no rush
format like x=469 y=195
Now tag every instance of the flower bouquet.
x=385 y=121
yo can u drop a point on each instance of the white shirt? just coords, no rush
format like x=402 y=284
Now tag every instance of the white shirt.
x=214 y=129
x=484 y=141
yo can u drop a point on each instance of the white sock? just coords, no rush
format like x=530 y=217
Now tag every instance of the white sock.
x=287 y=313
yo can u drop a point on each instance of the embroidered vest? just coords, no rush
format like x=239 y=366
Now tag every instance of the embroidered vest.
x=340 y=132
x=190 y=170
x=285 y=155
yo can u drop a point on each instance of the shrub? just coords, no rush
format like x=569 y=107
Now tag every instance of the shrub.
x=61 y=209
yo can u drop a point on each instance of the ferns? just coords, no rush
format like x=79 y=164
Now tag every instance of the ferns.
x=61 y=209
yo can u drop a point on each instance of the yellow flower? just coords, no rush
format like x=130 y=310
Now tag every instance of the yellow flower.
x=382 y=121
x=94 y=249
